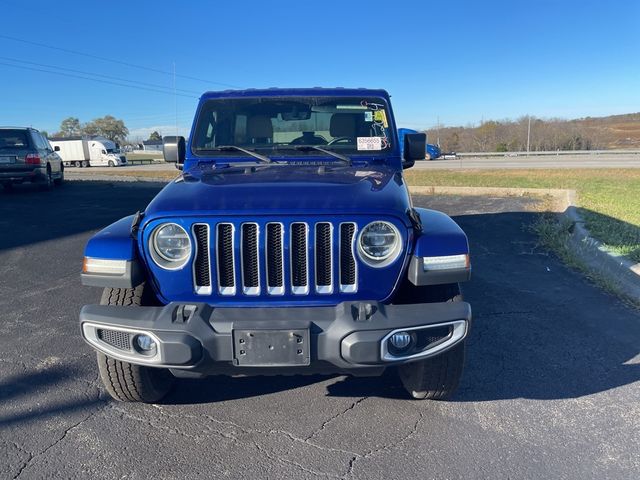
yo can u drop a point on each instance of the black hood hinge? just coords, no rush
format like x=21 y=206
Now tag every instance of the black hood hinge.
x=135 y=224
x=414 y=217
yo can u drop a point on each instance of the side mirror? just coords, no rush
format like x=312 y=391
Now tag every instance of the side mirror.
x=56 y=148
x=415 y=145
x=174 y=150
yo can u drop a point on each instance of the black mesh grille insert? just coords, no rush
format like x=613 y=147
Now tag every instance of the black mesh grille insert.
x=299 y=254
x=274 y=255
x=323 y=254
x=201 y=269
x=115 y=338
x=347 y=262
x=250 y=255
x=225 y=255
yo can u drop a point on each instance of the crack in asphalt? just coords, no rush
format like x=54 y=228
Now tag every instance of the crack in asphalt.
x=291 y=462
x=354 y=456
x=249 y=430
x=66 y=432
x=385 y=448
x=335 y=417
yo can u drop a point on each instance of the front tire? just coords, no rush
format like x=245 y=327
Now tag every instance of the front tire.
x=435 y=378
x=125 y=381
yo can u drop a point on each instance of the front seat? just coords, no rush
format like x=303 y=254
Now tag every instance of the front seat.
x=343 y=125
x=260 y=130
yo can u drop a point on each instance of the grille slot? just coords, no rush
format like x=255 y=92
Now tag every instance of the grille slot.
x=249 y=256
x=115 y=338
x=202 y=265
x=225 y=259
x=275 y=259
x=324 y=283
x=299 y=261
x=348 y=273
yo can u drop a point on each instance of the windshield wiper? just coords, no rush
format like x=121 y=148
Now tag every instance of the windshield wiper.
x=251 y=153
x=306 y=148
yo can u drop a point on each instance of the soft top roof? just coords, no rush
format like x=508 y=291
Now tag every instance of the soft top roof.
x=297 y=92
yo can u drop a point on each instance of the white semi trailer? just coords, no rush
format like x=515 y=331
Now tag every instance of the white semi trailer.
x=89 y=151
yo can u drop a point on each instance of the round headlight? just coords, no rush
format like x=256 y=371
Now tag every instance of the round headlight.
x=379 y=244
x=170 y=246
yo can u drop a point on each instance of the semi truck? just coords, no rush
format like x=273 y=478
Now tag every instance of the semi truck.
x=89 y=152
x=431 y=151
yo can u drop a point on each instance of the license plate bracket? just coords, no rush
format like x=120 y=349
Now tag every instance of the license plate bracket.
x=5 y=159
x=271 y=348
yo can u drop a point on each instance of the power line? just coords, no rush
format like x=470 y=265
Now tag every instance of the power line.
x=97 y=75
x=24 y=67
x=112 y=60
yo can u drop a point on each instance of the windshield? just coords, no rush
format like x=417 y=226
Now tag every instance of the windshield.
x=288 y=126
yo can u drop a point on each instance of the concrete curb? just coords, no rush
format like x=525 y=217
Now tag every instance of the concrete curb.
x=618 y=269
x=621 y=271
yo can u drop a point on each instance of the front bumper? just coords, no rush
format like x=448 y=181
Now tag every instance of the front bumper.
x=350 y=337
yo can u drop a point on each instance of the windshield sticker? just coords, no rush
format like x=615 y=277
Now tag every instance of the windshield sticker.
x=368 y=116
x=369 y=143
x=380 y=117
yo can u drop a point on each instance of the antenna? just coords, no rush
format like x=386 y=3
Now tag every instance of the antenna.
x=175 y=95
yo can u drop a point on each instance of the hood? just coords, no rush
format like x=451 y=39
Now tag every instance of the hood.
x=283 y=189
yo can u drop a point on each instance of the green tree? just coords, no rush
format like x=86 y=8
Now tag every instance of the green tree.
x=70 y=127
x=107 y=126
x=155 y=136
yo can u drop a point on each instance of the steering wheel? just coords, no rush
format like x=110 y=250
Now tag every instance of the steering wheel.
x=342 y=139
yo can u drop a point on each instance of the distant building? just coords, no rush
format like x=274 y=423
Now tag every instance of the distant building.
x=152 y=145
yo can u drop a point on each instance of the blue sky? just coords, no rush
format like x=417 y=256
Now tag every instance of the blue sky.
x=454 y=61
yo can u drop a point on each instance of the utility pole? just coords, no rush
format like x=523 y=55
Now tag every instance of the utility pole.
x=528 y=134
x=438 y=132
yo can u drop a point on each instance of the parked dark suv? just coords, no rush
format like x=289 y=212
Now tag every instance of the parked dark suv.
x=27 y=156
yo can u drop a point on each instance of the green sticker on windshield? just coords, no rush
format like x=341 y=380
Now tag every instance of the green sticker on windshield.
x=381 y=117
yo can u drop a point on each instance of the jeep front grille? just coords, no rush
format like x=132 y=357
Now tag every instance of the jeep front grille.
x=275 y=258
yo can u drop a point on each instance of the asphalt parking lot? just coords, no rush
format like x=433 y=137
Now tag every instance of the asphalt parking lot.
x=551 y=388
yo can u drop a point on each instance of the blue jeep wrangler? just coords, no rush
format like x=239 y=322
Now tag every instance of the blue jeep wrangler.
x=288 y=245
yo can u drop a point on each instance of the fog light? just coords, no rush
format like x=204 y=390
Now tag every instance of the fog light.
x=401 y=340
x=145 y=343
